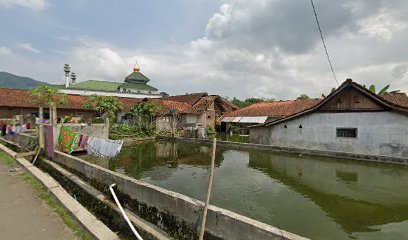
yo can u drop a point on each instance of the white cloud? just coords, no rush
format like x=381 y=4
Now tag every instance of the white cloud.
x=35 y=5
x=28 y=47
x=5 y=50
x=257 y=48
x=382 y=26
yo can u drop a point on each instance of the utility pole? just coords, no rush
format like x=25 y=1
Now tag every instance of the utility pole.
x=173 y=122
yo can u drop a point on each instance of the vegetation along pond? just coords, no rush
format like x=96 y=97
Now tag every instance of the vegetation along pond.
x=318 y=198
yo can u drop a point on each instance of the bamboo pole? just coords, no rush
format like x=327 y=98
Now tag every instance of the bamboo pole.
x=207 y=200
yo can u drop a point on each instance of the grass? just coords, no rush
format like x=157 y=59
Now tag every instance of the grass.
x=6 y=159
x=48 y=199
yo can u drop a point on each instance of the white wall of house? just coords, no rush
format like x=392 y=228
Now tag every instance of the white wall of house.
x=191 y=118
x=378 y=133
x=135 y=91
x=183 y=120
x=101 y=93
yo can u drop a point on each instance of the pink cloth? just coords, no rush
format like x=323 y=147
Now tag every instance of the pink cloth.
x=83 y=141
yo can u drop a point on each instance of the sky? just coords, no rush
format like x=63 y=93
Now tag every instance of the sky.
x=234 y=48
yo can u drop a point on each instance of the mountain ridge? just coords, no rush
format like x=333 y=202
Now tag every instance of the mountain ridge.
x=9 y=80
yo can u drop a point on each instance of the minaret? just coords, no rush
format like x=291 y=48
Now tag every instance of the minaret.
x=73 y=77
x=67 y=70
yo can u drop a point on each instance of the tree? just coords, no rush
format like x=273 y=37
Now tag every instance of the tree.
x=240 y=103
x=303 y=97
x=254 y=100
x=145 y=110
x=249 y=101
x=104 y=104
x=164 y=94
x=332 y=90
x=44 y=96
x=383 y=91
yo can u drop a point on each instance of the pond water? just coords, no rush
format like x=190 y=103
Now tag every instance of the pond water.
x=318 y=198
x=231 y=138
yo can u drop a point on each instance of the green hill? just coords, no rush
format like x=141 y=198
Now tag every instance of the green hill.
x=8 y=80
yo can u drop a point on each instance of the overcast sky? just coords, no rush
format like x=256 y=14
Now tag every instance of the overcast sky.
x=242 y=48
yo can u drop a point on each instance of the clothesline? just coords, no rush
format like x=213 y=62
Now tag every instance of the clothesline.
x=98 y=147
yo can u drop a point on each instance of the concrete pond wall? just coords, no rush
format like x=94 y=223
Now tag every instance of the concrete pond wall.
x=24 y=140
x=175 y=213
x=311 y=152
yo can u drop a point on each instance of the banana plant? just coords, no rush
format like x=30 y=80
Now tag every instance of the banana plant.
x=383 y=91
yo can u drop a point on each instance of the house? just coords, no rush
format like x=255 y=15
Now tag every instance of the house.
x=351 y=119
x=134 y=86
x=183 y=114
x=211 y=107
x=17 y=102
x=263 y=112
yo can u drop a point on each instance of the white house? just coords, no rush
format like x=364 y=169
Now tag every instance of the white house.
x=351 y=119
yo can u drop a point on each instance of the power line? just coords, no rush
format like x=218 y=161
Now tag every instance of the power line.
x=324 y=44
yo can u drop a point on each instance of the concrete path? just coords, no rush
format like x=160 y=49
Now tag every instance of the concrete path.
x=23 y=215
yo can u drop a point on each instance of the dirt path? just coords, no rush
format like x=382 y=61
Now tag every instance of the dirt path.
x=23 y=215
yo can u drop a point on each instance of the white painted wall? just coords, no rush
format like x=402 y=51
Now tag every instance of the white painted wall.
x=129 y=90
x=378 y=133
x=116 y=94
x=191 y=118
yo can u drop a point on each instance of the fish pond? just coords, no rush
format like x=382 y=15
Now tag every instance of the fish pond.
x=315 y=197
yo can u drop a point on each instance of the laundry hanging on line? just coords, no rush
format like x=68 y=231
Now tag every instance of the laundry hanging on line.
x=67 y=139
x=104 y=148
x=83 y=141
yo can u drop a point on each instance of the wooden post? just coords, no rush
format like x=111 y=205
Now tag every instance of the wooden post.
x=173 y=120
x=54 y=116
x=40 y=128
x=207 y=200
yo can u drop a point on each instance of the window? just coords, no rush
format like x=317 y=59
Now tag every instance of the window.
x=346 y=132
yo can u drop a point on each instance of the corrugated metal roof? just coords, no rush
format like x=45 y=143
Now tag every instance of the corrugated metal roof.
x=253 y=119
x=260 y=119
x=236 y=119
x=227 y=119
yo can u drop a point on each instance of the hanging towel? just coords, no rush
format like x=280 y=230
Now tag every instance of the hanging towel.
x=83 y=141
x=67 y=139
x=104 y=148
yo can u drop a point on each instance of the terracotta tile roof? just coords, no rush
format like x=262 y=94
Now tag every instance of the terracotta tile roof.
x=190 y=99
x=230 y=104
x=128 y=103
x=20 y=98
x=204 y=102
x=276 y=109
x=200 y=101
x=399 y=99
x=167 y=105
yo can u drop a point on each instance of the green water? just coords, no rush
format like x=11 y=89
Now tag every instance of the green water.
x=232 y=138
x=318 y=198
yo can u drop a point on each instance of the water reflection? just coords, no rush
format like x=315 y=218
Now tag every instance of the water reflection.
x=314 y=197
x=355 y=196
